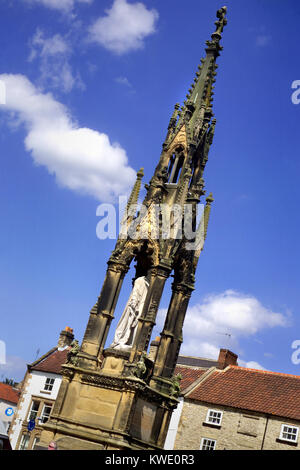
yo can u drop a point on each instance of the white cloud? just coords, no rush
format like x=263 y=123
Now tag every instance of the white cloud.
x=55 y=69
x=124 y=27
x=263 y=40
x=14 y=368
x=234 y=312
x=123 y=81
x=62 y=5
x=81 y=159
x=221 y=320
x=252 y=365
x=48 y=47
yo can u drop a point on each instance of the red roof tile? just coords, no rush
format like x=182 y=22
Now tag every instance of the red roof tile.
x=52 y=362
x=250 y=389
x=189 y=375
x=8 y=393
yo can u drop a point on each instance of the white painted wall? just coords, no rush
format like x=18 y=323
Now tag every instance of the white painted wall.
x=173 y=427
x=3 y=406
x=34 y=387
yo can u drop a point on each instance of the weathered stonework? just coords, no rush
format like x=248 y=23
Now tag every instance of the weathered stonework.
x=107 y=400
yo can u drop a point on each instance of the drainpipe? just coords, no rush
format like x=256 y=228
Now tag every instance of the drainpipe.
x=265 y=432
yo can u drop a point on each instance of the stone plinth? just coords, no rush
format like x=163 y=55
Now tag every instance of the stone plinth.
x=108 y=409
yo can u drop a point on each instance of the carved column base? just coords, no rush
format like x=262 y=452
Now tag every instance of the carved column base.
x=87 y=361
x=113 y=362
x=162 y=385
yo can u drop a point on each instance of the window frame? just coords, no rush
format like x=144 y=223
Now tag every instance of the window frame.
x=210 y=440
x=25 y=435
x=290 y=426
x=35 y=441
x=34 y=400
x=212 y=410
x=175 y=166
x=39 y=414
x=43 y=415
x=49 y=384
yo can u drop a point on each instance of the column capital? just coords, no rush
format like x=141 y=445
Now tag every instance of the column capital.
x=117 y=266
x=185 y=289
x=162 y=269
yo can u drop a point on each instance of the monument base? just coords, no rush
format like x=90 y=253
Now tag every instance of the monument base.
x=109 y=408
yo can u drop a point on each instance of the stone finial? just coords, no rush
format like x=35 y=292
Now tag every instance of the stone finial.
x=222 y=21
x=209 y=201
x=133 y=199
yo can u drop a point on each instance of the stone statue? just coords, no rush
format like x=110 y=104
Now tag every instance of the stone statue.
x=72 y=353
x=141 y=368
x=127 y=325
x=175 y=388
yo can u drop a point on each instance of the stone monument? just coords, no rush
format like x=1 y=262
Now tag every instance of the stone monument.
x=119 y=397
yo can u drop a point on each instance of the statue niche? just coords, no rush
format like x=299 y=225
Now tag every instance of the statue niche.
x=127 y=326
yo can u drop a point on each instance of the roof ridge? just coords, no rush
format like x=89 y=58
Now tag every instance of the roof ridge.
x=250 y=369
x=191 y=367
x=197 y=357
x=198 y=381
x=51 y=362
x=43 y=357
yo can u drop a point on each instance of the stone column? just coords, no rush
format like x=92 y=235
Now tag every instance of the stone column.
x=171 y=336
x=102 y=313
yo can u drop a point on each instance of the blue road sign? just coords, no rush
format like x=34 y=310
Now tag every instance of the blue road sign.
x=31 y=425
x=9 y=411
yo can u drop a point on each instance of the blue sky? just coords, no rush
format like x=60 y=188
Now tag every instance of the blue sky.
x=90 y=89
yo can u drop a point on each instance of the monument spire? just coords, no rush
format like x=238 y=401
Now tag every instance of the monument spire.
x=198 y=103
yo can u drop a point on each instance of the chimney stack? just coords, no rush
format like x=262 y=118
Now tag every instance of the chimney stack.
x=153 y=348
x=226 y=358
x=65 y=338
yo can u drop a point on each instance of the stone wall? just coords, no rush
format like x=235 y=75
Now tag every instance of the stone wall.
x=239 y=429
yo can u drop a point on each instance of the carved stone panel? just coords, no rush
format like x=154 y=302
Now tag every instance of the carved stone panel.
x=143 y=420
